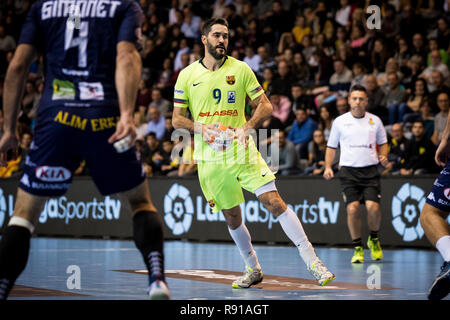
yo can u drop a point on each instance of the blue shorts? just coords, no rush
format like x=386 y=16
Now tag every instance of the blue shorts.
x=64 y=137
x=439 y=196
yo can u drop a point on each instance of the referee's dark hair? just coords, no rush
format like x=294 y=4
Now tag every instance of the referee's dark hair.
x=358 y=87
x=209 y=23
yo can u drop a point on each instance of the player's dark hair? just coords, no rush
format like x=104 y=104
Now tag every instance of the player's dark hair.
x=209 y=23
x=358 y=87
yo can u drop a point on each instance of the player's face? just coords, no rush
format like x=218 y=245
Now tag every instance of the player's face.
x=357 y=102
x=217 y=41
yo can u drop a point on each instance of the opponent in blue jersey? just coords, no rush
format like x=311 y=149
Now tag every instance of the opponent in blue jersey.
x=434 y=214
x=92 y=71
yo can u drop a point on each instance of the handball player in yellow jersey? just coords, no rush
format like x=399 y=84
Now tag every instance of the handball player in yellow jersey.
x=214 y=89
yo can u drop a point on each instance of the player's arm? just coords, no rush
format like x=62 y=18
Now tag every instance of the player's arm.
x=12 y=95
x=383 y=154
x=443 y=151
x=262 y=111
x=127 y=77
x=330 y=153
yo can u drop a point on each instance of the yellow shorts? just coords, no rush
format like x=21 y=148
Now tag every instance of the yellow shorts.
x=222 y=183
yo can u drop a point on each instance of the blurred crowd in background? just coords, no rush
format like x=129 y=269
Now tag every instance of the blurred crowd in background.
x=306 y=55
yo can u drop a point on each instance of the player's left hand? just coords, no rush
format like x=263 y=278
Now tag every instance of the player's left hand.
x=383 y=160
x=8 y=142
x=242 y=135
x=125 y=128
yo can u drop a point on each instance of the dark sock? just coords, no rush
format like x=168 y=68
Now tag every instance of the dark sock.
x=149 y=238
x=357 y=242
x=14 y=249
x=374 y=234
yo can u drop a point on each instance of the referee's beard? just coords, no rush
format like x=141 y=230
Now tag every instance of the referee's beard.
x=212 y=50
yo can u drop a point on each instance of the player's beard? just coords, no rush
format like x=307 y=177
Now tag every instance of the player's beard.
x=212 y=50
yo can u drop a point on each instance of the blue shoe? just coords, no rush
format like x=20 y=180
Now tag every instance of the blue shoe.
x=441 y=285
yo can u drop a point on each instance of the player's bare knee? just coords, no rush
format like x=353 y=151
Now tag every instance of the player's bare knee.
x=275 y=205
x=353 y=208
x=373 y=207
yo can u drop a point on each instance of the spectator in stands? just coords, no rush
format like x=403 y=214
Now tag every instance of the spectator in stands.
x=436 y=85
x=391 y=66
x=342 y=106
x=443 y=33
x=432 y=46
x=191 y=23
x=266 y=61
x=157 y=122
x=435 y=65
x=300 y=29
x=415 y=100
x=316 y=154
x=151 y=146
x=301 y=132
x=7 y=42
x=267 y=81
x=288 y=162
x=252 y=59
x=394 y=99
x=402 y=54
x=379 y=56
x=343 y=14
x=375 y=96
x=413 y=71
x=359 y=74
x=282 y=83
x=162 y=159
x=169 y=128
x=29 y=101
x=300 y=68
x=420 y=153
x=163 y=105
x=426 y=115
x=165 y=81
x=418 y=46
x=144 y=96
x=398 y=146
x=440 y=119
x=327 y=114
x=188 y=166
x=341 y=78
x=390 y=25
x=183 y=49
x=300 y=100
x=141 y=124
x=281 y=107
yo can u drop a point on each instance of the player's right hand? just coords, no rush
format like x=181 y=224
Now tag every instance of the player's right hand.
x=328 y=173
x=125 y=127
x=442 y=152
x=8 y=142
x=209 y=130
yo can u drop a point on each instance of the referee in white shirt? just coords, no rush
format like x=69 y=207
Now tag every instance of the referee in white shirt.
x=358 y=133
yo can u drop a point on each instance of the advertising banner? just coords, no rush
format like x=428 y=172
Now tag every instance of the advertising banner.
x=83 y=212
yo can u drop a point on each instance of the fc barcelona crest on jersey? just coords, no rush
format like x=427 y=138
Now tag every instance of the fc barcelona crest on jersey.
x=231 y=80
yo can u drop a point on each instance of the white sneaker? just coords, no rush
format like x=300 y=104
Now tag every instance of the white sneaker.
x=159 y=291
x=250 y=277
x=320 y=272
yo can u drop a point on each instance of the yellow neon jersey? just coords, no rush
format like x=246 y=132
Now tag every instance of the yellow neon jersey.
x=217 y=97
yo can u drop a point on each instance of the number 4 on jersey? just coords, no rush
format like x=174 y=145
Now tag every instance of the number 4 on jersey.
x=80 y=42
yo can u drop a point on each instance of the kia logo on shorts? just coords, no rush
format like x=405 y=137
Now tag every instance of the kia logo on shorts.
x=52 y=174
x=447 y=193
